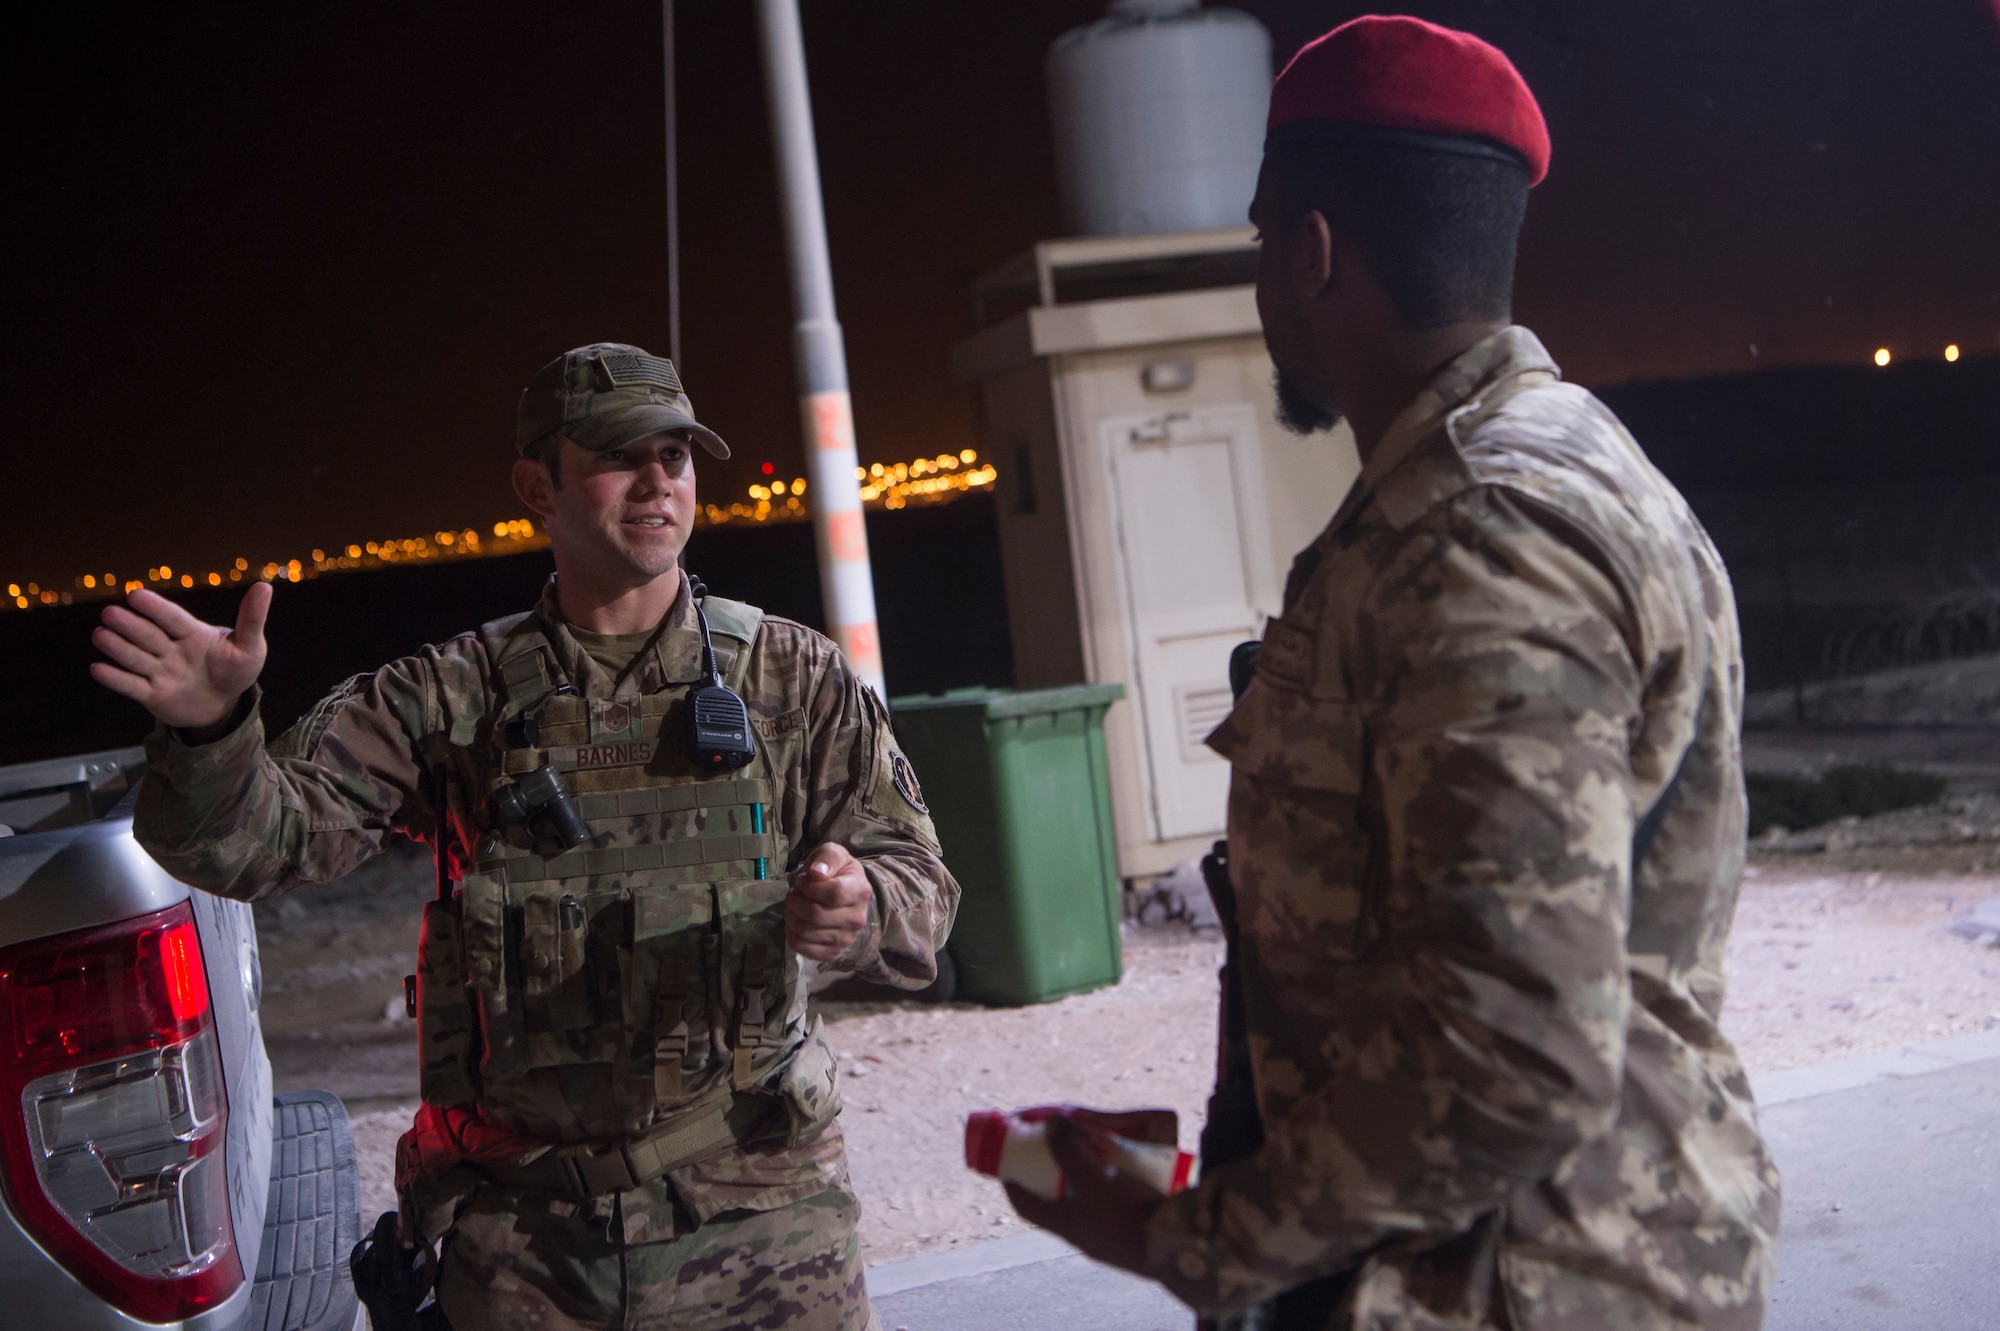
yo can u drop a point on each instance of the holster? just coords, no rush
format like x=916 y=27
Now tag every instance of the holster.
x=393 y=1280
x=435 y=1166
x=1234 y=1128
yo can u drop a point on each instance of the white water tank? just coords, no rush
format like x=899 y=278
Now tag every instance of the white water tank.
x=1158 y=112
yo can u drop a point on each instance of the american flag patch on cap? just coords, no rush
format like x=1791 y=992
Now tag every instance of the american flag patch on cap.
x=622 y=368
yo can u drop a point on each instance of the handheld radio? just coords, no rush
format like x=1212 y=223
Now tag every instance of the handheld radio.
x=718 y=722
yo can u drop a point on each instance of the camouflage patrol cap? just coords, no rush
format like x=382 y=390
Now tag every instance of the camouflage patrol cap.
x=605 y=396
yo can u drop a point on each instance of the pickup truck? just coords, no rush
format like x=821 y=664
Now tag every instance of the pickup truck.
x=148 y=1176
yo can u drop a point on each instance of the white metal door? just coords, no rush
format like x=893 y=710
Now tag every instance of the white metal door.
x=1186 y=488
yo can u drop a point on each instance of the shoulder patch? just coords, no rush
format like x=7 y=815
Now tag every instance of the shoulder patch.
x=905 y=778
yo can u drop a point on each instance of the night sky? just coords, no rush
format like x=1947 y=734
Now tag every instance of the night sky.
x=275 y=275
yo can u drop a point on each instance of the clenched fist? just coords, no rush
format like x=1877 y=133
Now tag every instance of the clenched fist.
x=186 y=673
x=828 y=905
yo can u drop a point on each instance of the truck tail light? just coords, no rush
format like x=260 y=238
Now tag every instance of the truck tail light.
x=112 y=1113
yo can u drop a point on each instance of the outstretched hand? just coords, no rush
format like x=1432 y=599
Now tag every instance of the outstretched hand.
x=1102 y=1212
x=186 y=673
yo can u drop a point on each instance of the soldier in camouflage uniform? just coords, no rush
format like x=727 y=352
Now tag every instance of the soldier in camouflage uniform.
x=628 y=1121
x=1486 y=817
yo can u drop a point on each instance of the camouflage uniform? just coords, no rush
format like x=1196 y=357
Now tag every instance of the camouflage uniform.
x=1487 y=1063
x=758 y=1233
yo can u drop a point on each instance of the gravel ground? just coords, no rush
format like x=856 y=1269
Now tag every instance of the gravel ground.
x=1824 y=966
x=911 y=1076
x=1828 y=960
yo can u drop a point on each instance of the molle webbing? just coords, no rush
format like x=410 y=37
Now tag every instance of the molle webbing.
x=585 y=722
x=756 y=1032
x=678 y=853
x=528 y=677
x=671 y=1037
x=522 y=661
x=673 y=799
x=641 y=975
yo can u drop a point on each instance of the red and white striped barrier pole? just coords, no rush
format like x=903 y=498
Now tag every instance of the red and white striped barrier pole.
x=847 y=584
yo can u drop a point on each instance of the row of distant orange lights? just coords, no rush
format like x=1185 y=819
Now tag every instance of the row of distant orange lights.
x=924 y=481
x=508 y=538
x=892 y=486
x=1882 y=356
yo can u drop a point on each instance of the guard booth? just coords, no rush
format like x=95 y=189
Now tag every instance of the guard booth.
x=1149 y=503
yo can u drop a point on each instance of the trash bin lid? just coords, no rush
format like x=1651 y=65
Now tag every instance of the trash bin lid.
x=1013 y=702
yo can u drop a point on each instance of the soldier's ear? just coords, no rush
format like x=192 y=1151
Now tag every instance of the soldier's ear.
x=1316 y=255
x=1352 y=296
x=534 y=485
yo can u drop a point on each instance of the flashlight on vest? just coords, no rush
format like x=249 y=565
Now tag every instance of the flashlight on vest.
x=718 y=723
x=541 y=797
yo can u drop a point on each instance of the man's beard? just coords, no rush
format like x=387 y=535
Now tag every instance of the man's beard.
x=1298 y=412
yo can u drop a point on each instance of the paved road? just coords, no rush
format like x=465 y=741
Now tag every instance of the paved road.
x=1892 y=1217
x=1068 y=1293
x=1892 y=1205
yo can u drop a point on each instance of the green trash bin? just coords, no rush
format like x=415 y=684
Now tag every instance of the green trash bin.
x=1015 y=782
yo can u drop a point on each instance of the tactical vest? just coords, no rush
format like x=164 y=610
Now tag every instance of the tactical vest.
x=596 y=993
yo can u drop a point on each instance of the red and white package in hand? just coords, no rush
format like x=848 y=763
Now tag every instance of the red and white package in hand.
x=1140 y=1143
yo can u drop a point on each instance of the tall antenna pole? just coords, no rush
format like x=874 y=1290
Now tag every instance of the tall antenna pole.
x=846 y=582
x=673 y=191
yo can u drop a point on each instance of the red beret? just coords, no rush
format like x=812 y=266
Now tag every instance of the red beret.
x=1401 y=73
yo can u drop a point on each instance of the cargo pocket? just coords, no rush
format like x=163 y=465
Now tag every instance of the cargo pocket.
x=1297 y=849
x=810 y=1086
x=444 y=1009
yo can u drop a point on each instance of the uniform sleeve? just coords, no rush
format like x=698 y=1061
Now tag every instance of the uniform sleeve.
x=1482 y=1032
x=865 y=796
x=244 y=820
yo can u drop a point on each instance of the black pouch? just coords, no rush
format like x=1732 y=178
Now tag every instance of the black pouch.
x=395 y=1282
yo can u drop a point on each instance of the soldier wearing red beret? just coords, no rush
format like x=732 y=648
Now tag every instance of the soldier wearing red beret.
x=1486 y=817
